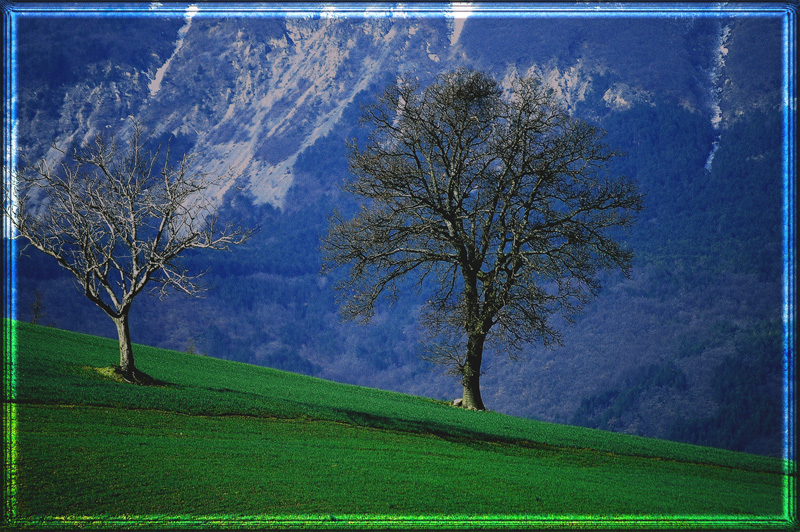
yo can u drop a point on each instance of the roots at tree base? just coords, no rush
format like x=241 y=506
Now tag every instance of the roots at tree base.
x=134 y=376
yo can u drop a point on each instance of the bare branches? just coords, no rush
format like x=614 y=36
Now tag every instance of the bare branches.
x=504 y=198
x=118 y=217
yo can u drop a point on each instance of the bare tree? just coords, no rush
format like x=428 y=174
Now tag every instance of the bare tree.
x=503 y=199
x=118 y=218
x=37 y=308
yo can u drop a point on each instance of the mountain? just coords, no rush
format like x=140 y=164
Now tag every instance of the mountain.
x=693 y=98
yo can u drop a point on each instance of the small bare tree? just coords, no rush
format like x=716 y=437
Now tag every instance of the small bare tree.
x=37 y=308
x=503 y=199
x=118 y=218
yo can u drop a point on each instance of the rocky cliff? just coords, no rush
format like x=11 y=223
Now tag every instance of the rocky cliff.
x=250 y=92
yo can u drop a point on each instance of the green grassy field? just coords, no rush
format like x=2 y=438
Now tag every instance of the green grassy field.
x=228 y=444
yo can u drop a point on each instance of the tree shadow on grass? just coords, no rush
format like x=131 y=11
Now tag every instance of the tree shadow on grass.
x=455 y=433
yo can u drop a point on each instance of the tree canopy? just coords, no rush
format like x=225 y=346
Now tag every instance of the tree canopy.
x=496 y=192
x=118 y=217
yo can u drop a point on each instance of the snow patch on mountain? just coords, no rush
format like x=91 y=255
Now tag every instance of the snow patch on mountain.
x=459 y=11
x=155 y=83
x=432 y=56
x=569 y=85
x=717 y=85
x=716 y=75
x=309 y=76
x=621 y=96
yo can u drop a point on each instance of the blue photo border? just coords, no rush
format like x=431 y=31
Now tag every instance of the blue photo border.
x=786 y=11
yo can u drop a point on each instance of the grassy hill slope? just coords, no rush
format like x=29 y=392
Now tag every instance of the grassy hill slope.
x=233 y=444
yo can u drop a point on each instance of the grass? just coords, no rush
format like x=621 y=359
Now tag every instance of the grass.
x=229 y=444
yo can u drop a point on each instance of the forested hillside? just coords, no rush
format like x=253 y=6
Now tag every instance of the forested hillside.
x=689 y=348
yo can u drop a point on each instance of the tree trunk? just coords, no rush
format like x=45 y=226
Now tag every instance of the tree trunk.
x=470 y=378
x=127 y=368
x=126 y=364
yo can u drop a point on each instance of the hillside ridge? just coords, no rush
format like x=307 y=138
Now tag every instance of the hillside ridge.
x=255 y=446
x=355 y=403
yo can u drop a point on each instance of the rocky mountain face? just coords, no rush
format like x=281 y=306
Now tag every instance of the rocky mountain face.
x=251 y=94
x=692 y=99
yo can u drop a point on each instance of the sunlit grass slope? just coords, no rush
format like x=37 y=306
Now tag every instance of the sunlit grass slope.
x=225 y=442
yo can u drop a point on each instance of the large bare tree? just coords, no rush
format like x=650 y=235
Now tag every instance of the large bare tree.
x=118 y=217
x=501 y=196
